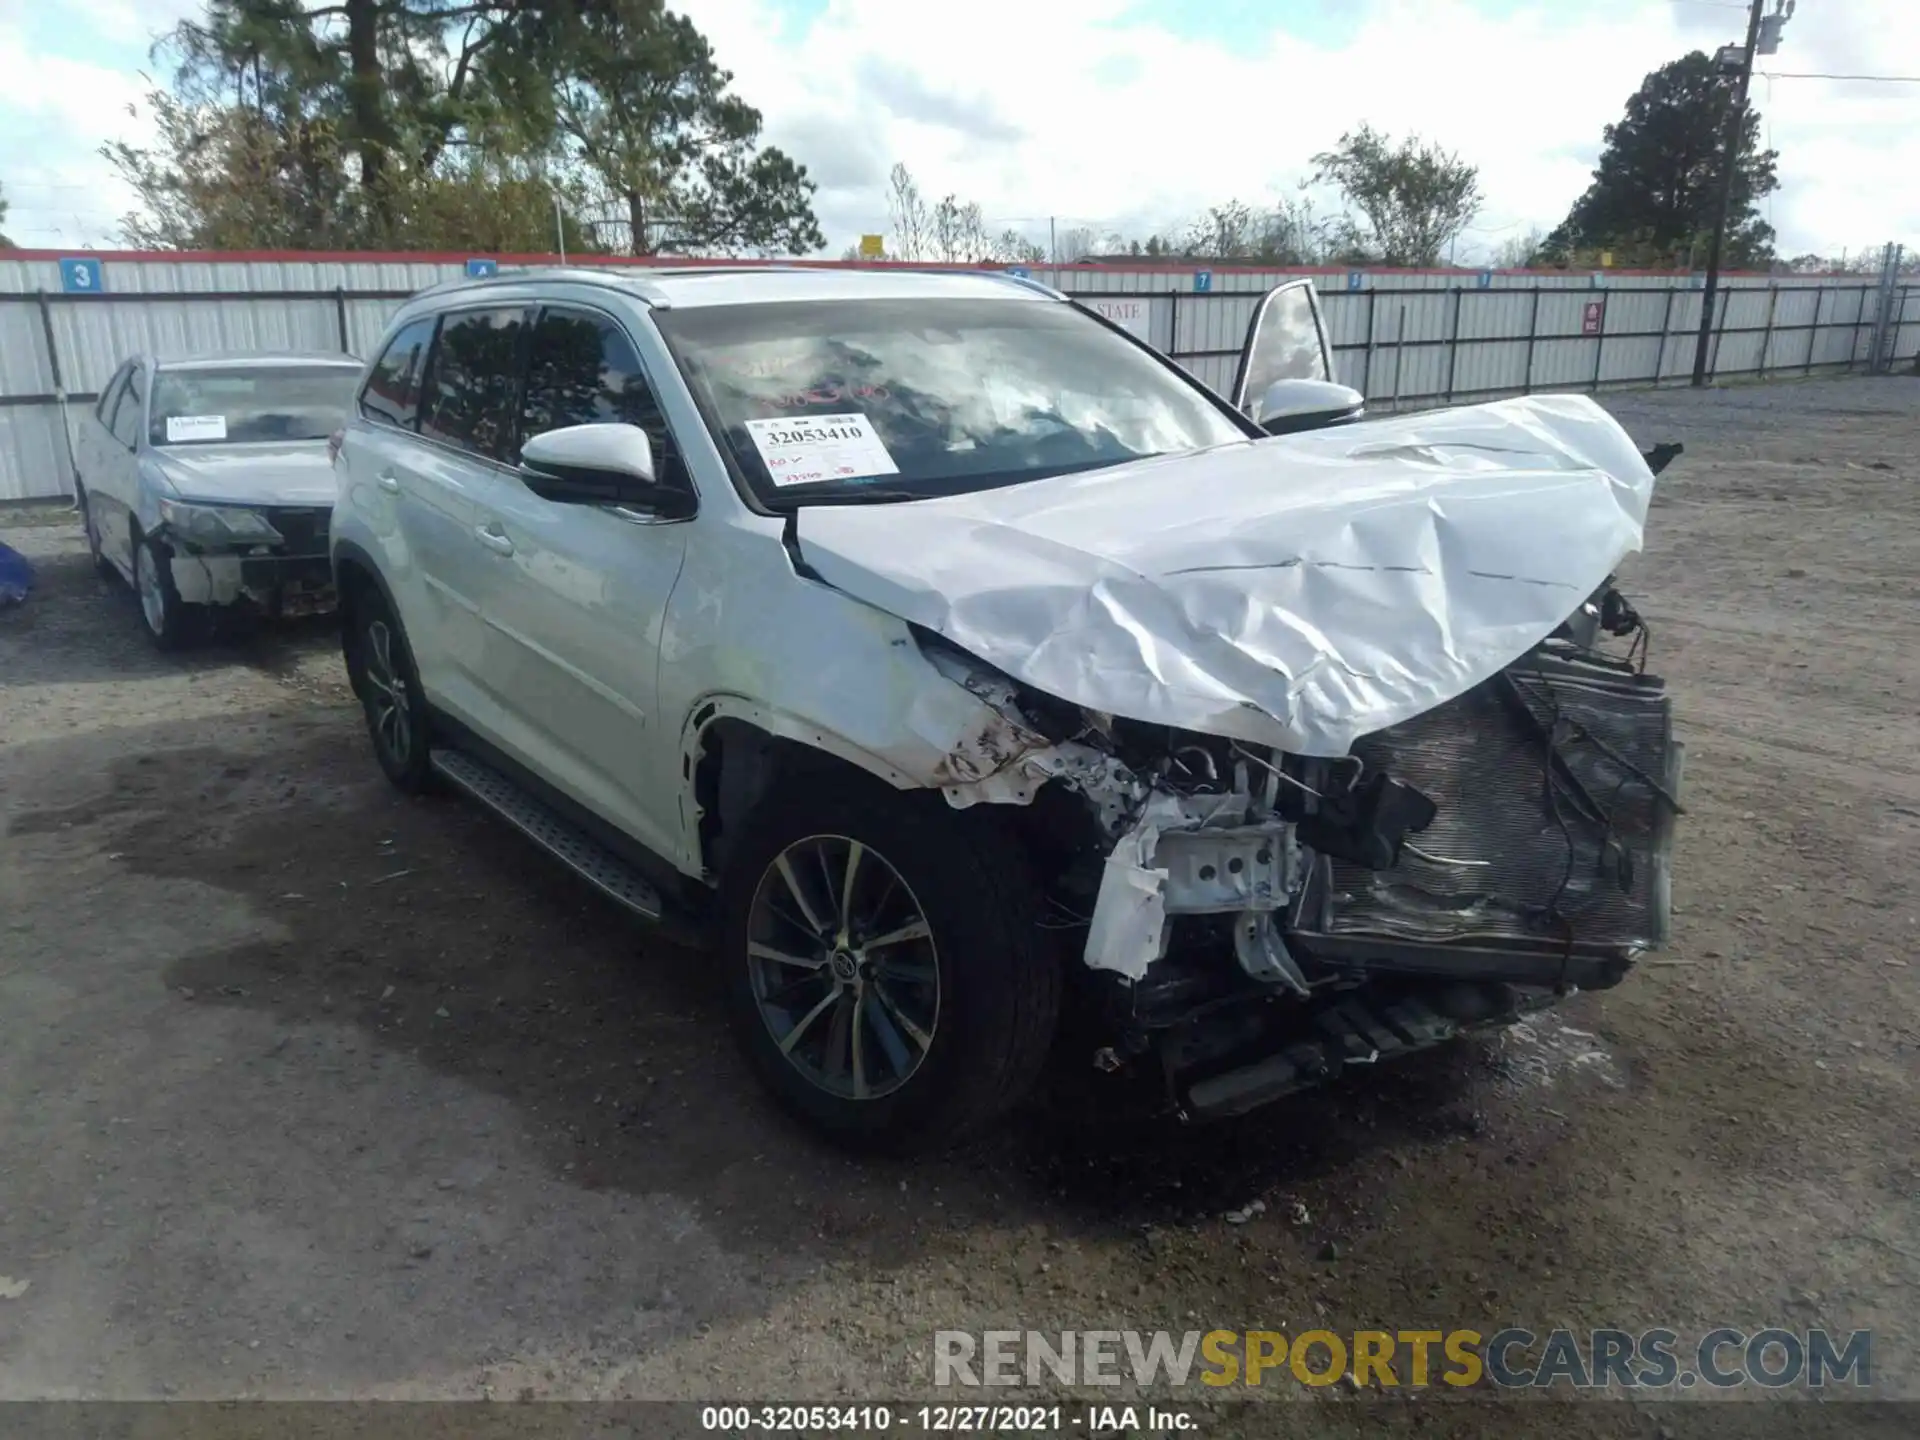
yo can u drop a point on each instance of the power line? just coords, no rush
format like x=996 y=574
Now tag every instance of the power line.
x=1823 y=75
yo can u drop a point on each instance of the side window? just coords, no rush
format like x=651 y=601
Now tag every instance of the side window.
x=1284 y=343
x=584 y=370
x=126 y=413
x=392 y=391
x=110 y=395
x=471 y=387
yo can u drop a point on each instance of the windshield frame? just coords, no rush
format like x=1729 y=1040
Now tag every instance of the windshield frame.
x=788 y=505
x=349 y=369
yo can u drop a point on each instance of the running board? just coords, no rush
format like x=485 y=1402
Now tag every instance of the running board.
x=566 y=842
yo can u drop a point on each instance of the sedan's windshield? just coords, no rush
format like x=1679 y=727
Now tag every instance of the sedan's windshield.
x=832 y=399
x=274 y=402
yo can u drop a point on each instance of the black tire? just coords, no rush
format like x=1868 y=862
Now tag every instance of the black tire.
x=171 y=623
x=999 y=979
x=89 y=524
x=380 y=667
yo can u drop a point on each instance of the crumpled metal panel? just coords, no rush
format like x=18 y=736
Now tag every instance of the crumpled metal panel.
x=1299 y=592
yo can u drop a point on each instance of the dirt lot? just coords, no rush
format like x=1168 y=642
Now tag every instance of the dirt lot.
x=310 y=1090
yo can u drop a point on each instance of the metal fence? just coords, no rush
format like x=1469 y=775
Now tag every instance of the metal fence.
x=1419 y=346
x=1406 y=339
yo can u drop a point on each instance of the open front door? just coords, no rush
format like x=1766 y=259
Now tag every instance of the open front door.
x=1287 y=342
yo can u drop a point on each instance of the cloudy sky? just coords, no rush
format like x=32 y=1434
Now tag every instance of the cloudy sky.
x=1132 y=114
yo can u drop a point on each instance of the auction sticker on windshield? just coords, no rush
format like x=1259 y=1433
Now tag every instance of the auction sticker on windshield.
x=196 y=427
x=809 y=449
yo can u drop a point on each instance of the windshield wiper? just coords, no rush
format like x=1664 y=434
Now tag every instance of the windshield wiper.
x=866 y=495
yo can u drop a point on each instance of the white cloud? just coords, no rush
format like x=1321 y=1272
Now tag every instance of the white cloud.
x=55 y=113
x=1097 y=122
x=1068 y=110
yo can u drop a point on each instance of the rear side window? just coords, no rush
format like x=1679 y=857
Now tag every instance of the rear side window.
x=584 y=370
x=392 y=391
x=126 y=413
x=472 y=389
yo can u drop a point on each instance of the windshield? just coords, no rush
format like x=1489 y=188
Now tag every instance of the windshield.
x=906 y=398
x=279 y=402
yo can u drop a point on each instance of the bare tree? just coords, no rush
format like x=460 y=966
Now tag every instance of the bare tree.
x=1075 y=243
x=1013 y=248
x=1519 y=252
x=907 y=215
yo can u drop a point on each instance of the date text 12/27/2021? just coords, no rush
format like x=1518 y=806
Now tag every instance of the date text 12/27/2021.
x=1047 y=1420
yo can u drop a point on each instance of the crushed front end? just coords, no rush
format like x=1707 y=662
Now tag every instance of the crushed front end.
x=271 y=558
x=1251 y=922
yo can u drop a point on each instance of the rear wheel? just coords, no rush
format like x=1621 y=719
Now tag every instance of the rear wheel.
x=380 y=665
x=886 y=977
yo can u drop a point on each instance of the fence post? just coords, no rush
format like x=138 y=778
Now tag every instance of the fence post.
x=59 y=393
x=340 y=315
x=1813 y=335
x=1719 y=334
x=1599 y=348
x=1859 y=319
x=1453 y=340
x=1399 y=339
x=1666 y=328
x=1366 y=387
x=1766 y=336
x=1533 y=333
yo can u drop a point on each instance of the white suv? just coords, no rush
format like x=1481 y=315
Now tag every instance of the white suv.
x=952 y=663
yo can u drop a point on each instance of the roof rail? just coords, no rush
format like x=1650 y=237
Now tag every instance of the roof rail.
x=591 y=275
x=1029 y=282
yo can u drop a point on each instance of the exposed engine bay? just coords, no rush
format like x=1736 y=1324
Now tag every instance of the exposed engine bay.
x=1253 y=920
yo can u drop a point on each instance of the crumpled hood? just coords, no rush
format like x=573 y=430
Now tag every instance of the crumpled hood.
x=292 y=472
x=1300 y=591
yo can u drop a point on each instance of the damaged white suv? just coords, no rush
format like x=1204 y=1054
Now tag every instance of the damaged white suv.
x=950 y=663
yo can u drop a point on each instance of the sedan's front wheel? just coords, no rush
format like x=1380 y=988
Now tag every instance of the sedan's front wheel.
x=886 y=975
x=172 y=623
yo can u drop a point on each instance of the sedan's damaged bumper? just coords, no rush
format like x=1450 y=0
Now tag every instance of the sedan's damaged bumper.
x=292 y=578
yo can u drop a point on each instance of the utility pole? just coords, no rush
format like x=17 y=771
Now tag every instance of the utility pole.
x=1729 y=157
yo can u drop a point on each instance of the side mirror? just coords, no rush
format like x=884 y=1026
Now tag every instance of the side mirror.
x=600 y=464
x=1299 y=404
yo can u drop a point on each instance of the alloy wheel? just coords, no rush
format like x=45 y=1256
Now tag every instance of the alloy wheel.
x=153 y=597
x=387 y=702
x=843 y=967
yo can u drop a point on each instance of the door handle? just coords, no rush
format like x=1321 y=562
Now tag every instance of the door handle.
x=493 y=539
x=388 y=482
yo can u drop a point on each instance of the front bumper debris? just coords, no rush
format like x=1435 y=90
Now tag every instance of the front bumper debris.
x=292 y=579
x=1211 y=1079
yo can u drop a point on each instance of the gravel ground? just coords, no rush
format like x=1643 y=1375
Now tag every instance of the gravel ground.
x=308 y=1090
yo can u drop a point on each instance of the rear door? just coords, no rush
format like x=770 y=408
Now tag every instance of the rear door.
x=1286 y=340
x=92 y=434
x=576 y=596
x=117 y=467
x=440 y=402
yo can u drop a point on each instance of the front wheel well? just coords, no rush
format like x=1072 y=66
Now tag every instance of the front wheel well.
x=353 y=582
x=735 y=764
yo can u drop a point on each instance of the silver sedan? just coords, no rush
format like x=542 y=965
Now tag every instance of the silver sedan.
x=209 y=482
